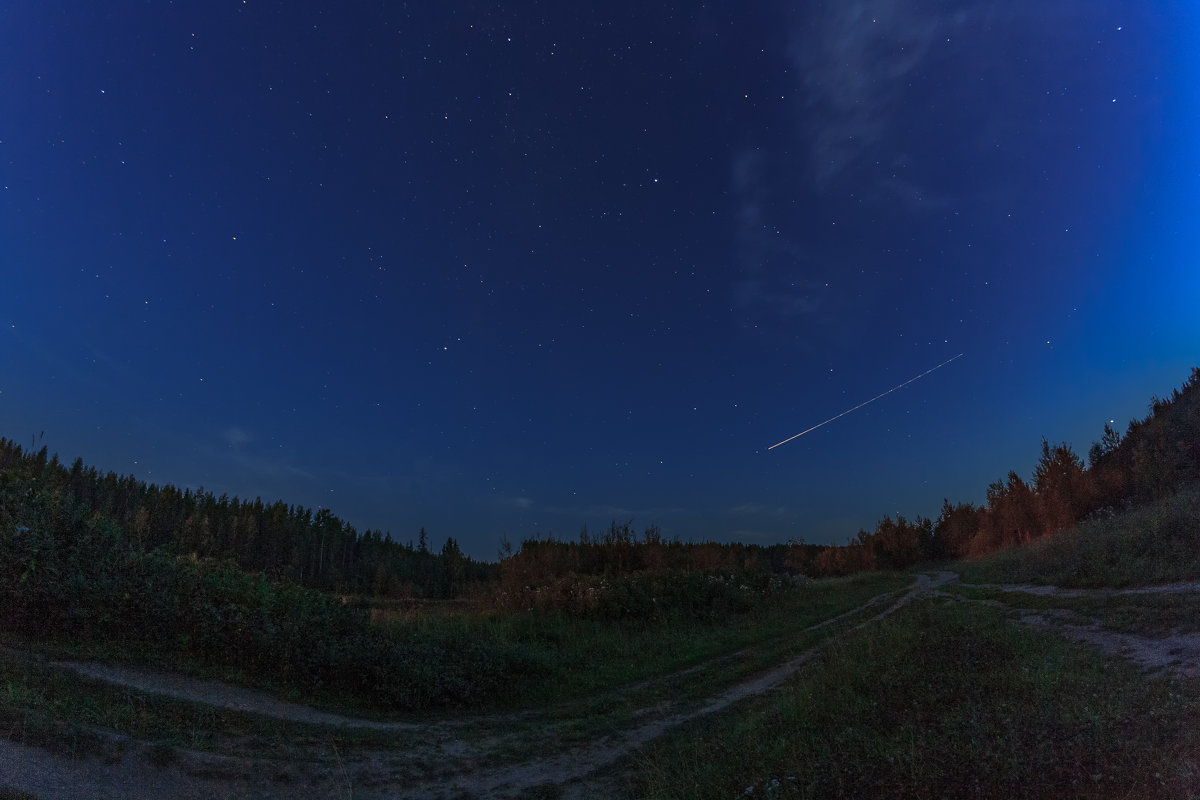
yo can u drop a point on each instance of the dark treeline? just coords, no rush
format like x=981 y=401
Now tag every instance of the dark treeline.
x=1156 y=456
x=1153 y=458
x=314 y=549
x=621 y=550
x=621 y=575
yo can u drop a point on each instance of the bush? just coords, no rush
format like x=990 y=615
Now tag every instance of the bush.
x=664 y=595
x=74 y=579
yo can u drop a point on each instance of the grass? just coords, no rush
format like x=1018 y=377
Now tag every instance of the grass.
x=1151 y=544
x=600 y=670
x=611 y=707
x=52 y=707
x=1144 y=614
x=455 y=658
x=943 y=700
x=591 y=656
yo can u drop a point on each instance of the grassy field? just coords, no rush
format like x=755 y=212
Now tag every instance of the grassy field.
x=590 y=656
x=949 y=698
x=944 y=700
x=588 y=669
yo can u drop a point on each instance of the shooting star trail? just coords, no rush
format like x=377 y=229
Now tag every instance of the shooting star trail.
x=866 y=402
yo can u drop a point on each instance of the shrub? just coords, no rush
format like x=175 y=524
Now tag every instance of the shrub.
x=660 y=595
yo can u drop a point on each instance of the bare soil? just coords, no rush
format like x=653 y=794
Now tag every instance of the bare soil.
x=1176 y=653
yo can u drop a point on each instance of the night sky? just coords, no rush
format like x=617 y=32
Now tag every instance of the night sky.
x=498 y=269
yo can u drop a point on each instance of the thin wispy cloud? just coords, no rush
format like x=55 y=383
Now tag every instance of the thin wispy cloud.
x=854 y=59
x=787 y=292
x=776 y=282
x=856 y=144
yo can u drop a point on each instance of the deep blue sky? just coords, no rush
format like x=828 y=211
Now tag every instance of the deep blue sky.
x=498 y=269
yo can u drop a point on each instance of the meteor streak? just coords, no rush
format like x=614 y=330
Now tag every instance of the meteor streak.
x=866 y=402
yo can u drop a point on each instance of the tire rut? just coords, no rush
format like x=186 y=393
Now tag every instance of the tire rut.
x=1175 y=654
x=436 y=760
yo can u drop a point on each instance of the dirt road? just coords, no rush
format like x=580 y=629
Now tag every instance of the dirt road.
x=475 y=757
x=491 y=756
x=1171 y=652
